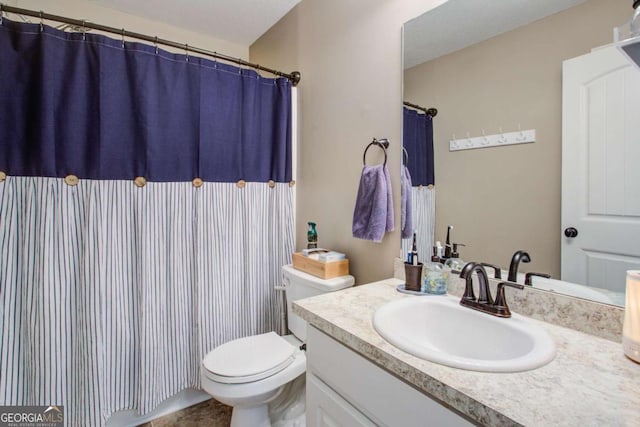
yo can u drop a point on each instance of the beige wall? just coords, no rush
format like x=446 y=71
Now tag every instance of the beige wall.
x=349 y=54
x=91 y=11
x=507 y=198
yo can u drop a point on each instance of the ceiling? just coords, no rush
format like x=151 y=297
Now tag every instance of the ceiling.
x=457 y=24
x=236 y=21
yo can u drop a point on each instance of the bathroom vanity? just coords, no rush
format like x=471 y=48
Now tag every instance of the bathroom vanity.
x=344 y=388
x=355 y=377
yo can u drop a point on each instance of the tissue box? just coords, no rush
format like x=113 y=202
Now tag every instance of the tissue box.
x=323 y=270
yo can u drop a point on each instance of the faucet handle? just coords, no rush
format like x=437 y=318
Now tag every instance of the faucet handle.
x=500 y=304
x=527 y=277
x=498 y=270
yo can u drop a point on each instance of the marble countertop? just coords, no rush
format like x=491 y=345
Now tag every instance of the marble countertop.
x=589 y=383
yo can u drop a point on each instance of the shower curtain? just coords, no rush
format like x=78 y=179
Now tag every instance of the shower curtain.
x=112 y=290
x=417 y=140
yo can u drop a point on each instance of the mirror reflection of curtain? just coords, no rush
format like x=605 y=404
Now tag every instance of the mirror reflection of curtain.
x=417 y=140
x=112 y=293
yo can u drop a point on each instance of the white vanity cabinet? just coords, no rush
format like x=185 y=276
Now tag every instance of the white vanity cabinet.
x=345 y=389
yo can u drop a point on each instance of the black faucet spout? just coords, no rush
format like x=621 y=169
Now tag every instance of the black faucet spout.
x=518 y=257
x=484 y=292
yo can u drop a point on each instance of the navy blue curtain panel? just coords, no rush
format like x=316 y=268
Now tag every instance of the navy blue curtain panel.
x=82 y=104
x=417 y=139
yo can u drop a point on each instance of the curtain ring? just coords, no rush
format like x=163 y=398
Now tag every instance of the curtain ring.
x=156 y=44
x=84 y=29
x=123 y=38
x=186 y=51
x=41 y=22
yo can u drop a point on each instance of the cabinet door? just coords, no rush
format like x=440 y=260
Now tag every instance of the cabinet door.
x=376 y=394
x=325 y=408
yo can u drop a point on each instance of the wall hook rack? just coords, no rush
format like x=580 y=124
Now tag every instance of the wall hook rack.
x=495 y=140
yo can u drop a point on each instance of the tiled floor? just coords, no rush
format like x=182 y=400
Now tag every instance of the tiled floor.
x=210 y=413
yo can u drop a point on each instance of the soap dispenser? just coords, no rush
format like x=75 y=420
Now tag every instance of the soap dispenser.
x=455 y=263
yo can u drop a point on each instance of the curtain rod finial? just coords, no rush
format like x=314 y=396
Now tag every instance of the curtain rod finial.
x=295 y=77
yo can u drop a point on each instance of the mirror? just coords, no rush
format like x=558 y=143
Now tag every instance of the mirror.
x=495 y=69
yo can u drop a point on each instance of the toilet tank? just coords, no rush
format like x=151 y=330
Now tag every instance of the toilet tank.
x=298 y=285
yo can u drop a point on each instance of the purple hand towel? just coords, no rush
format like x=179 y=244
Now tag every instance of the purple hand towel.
x=373 y=214
x=406 y=212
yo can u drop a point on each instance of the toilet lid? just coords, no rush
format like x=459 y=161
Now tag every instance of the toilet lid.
x=249 y=359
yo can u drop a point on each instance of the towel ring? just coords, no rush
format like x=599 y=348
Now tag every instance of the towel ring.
x=382 y=143
x=405 y=156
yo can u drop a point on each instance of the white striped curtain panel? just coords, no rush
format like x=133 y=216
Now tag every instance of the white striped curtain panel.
x=424 y=222
x=110 y=294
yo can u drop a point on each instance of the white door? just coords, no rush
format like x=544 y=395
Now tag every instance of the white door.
x=600 y=169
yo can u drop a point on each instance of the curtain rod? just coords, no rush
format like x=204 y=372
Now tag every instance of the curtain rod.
x=294 y=76
x=430 y=111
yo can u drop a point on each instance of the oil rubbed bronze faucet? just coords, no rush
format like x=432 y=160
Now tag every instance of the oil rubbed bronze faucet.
x=528 y=276
x=518 y=257
x=497 y=270
x=484 y=302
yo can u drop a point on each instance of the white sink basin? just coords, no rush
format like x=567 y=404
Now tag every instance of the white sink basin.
x=438 y=329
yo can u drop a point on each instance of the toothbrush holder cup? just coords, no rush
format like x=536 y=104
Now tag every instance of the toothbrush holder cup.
x=413 y=277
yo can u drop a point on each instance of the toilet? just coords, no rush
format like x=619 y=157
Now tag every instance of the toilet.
x=248 y=373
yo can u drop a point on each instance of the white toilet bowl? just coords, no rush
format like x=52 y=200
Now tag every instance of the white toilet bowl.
x=250 y=372
x=245 y=390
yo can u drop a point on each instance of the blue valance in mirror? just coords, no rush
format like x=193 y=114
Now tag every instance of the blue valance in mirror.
x=418 y=141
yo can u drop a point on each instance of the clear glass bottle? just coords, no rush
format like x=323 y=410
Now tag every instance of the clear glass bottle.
x=434 y=278
x=312 y=236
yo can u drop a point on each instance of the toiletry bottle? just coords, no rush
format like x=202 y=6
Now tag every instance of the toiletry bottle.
x=455 y=263
x=312 y=236
x=435 y=257
x=439 y=251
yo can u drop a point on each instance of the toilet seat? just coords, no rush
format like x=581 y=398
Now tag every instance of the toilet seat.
x=249 y=359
